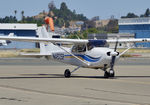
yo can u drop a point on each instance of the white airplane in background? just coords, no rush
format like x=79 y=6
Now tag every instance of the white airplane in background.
x=84 y=53
x=6 y=42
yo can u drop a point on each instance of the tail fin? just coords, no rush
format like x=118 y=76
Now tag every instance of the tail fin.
x=11 y=34
x=46 y=48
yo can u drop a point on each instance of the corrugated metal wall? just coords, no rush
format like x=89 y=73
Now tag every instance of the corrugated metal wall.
x=140 y=31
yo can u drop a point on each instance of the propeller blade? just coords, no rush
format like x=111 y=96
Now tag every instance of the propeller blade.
x=116 y=44
x=114 y=57
x=112 y=62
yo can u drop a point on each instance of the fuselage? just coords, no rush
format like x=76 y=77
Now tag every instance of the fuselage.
x=95 y=58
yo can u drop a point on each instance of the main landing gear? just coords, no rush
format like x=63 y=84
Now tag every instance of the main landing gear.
x=67 y=72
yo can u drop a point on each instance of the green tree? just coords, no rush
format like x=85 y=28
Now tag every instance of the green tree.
x=130 y=15
x=66 y=15
x=51 y=6
x=8 y=19
x=112 y=26
x=147 y=13
x=15 y=11
x=92 y=30
x=22 y=14
x=63 y=7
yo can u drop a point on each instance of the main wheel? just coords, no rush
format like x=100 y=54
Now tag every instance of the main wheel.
x=106 y=74
x=67 y=73
x=111 y=73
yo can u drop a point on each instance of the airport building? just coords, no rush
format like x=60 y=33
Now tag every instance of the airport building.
x=140 y=27
x=22 y=30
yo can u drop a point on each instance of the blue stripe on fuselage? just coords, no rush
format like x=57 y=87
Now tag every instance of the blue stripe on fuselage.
x=87 y=57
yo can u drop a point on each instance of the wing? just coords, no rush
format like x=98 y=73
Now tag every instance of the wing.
x=129 y=40
x=52 y=40
x=72 y=41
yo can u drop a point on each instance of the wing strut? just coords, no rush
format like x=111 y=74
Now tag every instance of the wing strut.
x=126 y=50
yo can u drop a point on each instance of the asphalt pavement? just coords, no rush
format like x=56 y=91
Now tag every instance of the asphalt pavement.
x=26 y=81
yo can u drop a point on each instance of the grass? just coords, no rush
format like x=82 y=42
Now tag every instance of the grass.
x=36 y=50
x=126 y=55
x=16 y=53
x=7 y=54
x=136 y=50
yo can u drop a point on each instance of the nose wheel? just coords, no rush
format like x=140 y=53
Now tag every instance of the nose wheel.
x=111 y=73
x=107 y=74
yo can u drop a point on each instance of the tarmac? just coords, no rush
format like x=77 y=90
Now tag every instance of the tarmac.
x=40 y=82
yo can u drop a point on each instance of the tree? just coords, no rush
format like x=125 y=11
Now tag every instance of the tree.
x=92 y=30
x=147 y=13
x=51 y=6
x=15 y=11
x=112 y=26
x=8 y=19
x=63 y=7
x=130 y=15
x=63 y=16
x=22 y=14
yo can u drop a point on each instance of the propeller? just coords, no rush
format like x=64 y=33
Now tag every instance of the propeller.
x=112 y=63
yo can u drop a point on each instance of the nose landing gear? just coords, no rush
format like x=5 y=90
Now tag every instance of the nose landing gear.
x=107 y=74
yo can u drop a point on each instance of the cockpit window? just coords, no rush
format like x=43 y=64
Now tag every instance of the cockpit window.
x=89 y=46
x=79 y=48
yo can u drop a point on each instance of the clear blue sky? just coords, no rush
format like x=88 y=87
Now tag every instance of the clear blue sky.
x=90 y=8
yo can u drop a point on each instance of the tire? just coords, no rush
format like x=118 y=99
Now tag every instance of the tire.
x=67 y=73
x=111 y=73
x=106 y=74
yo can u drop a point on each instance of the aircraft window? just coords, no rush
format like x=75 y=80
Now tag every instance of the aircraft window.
x=79 y=48
x=74 y=49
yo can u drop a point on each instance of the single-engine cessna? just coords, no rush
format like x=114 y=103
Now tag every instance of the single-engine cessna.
x=84 y=53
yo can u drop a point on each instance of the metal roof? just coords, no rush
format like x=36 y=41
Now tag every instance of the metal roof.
x=17 y=26
x=134 y=21
x=121 y=35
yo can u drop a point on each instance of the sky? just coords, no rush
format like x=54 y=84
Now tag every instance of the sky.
x=90 y=8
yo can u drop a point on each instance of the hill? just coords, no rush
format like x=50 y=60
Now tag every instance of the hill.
x=62 y=16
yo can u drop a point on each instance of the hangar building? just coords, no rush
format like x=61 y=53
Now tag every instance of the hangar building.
x=140 y=27
x=25 y=30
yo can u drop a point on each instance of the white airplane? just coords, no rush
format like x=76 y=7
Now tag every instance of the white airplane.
x=6 y=42
x=84 y=53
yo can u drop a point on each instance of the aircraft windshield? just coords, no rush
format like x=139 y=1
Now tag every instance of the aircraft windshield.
x=89 y=46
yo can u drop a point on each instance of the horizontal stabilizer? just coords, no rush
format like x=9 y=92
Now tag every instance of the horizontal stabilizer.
x=33 y=54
